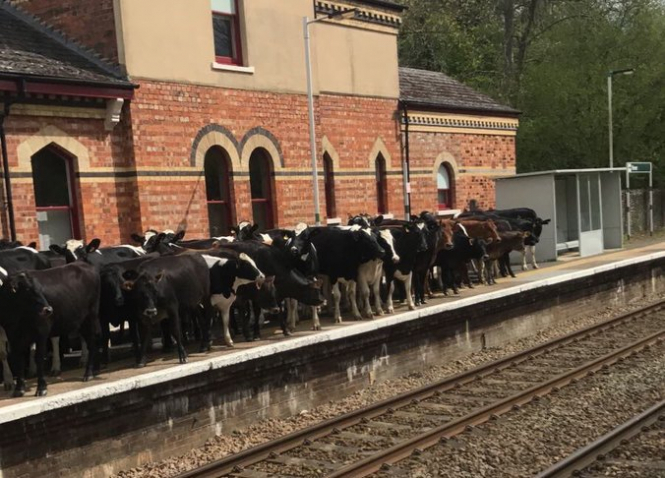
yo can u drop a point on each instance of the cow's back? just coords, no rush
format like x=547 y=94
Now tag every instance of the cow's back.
x=187 y=274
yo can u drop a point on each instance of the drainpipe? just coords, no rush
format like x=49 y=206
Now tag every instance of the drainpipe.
x=406 y=173
x=5 y=168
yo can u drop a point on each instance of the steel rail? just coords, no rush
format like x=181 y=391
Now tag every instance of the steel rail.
x=430 y=438
x=585 y=456
x=250 y=456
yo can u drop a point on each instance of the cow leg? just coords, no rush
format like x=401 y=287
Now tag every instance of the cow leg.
x=176 y=332
x=291 y=312
x=336 y=297
x=105 y=338
x=407 y=287
x=316 y=323
x=509 y=268
x=364 y=299
x=533 y=256
x=7 y=375
x=223 y=304
x=40 y=353
x=524 y=266
x=389 y=298
x=56 y=366
x=144 y=329
x=19 y=356
x=351 y=291
x=85 y=352
x=32 y=366
x=204 y=319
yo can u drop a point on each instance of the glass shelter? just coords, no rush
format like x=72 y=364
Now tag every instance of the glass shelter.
x=583 y=204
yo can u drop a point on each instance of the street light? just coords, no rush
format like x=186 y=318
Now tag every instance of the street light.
x=306 y=22
x=627 y=71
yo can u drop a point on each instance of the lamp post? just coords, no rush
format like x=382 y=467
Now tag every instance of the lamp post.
x=627 y=71
x=306 y=22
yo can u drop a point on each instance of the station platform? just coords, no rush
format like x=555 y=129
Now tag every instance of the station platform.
x=128 y=417
x=121 y=376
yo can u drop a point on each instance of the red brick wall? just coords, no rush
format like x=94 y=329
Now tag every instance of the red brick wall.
x=469 y=151
x=107 y=207
x=167 y=117
x=89 y=22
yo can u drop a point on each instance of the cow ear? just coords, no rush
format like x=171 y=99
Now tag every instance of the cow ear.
x=378 y=220
x=547 y=221
x=138 y=239
x=32 y=245
x=179 y=236
x=527 y=234
x=160 y=276
x=127 y=285
x=57 y=249
x=130 y=275
x=93 y=246
x=413 y=218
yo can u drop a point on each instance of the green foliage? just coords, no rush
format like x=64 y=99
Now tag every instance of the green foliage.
x=550 y=59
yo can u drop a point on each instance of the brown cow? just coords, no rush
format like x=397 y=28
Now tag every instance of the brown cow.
x=499 y=251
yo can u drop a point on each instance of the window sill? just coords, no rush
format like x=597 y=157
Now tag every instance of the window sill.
x=235 y=68
x=448 y=212
x=334 y=221
x=387 y=215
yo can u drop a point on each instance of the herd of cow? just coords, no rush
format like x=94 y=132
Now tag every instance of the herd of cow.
x=184 y=284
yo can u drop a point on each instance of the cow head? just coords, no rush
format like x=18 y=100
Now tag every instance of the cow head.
x=367 y=244
x=28 y=295
x=362 y=220
x=143 y=240
x=164 y=242
x=246 y=231
x=143 y=289
x=417 y=237
x=386 y=241
x=111 y=286
x=447 y=231
x=75 y=249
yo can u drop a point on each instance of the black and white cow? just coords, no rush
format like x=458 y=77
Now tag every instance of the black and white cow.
x=75 y=249
x=51 y=302
x=409 y=240
x=290 y=282
x=341 y=252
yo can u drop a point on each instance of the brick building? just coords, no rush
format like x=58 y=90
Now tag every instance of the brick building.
x=124 y=115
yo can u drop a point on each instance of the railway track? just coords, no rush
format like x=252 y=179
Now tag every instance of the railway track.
x=642 y=437
x=371 y=439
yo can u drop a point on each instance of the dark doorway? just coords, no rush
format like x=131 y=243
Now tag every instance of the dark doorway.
x=261 y=184
x=381 y=185
x=218 y=191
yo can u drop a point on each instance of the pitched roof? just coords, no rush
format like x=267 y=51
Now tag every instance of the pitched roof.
x=437 y=90
x=31 y=50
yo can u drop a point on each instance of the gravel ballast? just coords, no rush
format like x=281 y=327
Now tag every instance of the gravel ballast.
x=266 y=430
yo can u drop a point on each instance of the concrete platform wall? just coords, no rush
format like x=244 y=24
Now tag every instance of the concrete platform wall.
x=104 y=435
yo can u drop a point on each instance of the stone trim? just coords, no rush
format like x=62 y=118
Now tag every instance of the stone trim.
x=51 y=135
x=461 y=121
x=446 y=157
x=379 y=147
x=261 y=138
x=371 y=16
x=214 y=135
x=327 y=147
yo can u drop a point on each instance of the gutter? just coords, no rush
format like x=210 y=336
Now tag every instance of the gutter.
x=406 y=172
x=5 y=168
x=26 y=84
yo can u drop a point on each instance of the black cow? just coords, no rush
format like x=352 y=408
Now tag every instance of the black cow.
x=51 y=302
x=341 y=253
x=409 y=241
x=251 y=301
x=23 y=258
x=456 y=259
x=167 y=288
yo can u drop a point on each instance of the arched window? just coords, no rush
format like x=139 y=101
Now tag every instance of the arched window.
x=381 y=185
x=260 y=178
x=55 y=197
x=328 y=174
x=218 y=191
x=444 y=188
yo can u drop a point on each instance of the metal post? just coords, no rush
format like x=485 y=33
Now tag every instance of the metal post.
x=609 y=109
x=312 y=132
x=651 y=201
x=406 y=175
x=628 y=221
